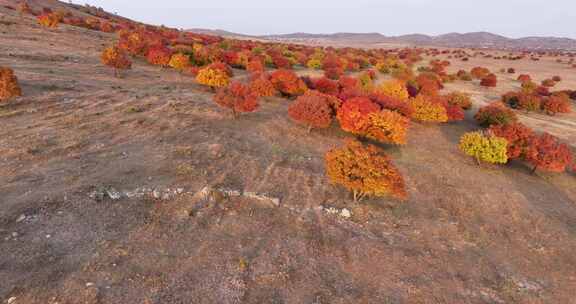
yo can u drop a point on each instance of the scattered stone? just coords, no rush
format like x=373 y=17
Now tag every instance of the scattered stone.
x=89 y=284
x=15 y=234
x=48 y=236
x=113 y=194
x=11 y=300
x=345 y=213
x=216 y=151
x=21 y=218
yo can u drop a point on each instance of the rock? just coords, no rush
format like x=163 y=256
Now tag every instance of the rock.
x=113 y=194
x=21 y=218
x=216 y=151
x=11 y=300
x=345 y=213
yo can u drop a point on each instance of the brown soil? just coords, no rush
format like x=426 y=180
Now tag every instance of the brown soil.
x=467 y=234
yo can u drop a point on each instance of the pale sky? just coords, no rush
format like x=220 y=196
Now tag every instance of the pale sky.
x=512 y=18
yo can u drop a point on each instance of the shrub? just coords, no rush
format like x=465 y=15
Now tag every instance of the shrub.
x=24 y=8
x=312 y=111
x=484 y=148
x=495 y=113
x=556 y=104
x=387 y=127
x=549 y=83
x=326 y=86
x=511 y=71
x=426 y=110
x=353 y=115
x=394 y=104
x=255 y=66
x=212 y=77
x=529 y=87
x=159 y=56
x=479 y=72
x=517 y=135
x=262 y=87
x=366 y=171
x=489 y=81
x=545 y=152
x=288 y=83
x=524 y=78
x=179 y=62
x=114 y=57
x=557 y=78
x=334 y=102
x=315 y=64
x=462 y=100
x=529 y=102
x=236 y=97
x=429 y=84
x=8 y=84
x=395 y=89
x=50 y=20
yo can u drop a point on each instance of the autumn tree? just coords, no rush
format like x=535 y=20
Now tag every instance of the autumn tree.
x=426 y=110
x=489 y=80
x=545 y=152
x=517 y=135
x=394 y=88
x=49 y=20
x=213 y=77
x=484 y=147
x=237 y=97
x=312 y=111
x=353 y=115
x=159 y=55
x=116 y=58
x=288 y=83
x=8 y=84
x=365 y=171
x=462 y=100
x=262 y=86
x=386 y=127
x=559 y=103
x=495 y=113
x=179 y=62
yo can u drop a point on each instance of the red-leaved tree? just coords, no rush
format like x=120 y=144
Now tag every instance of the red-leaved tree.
x=236 y=97
x=545 y=152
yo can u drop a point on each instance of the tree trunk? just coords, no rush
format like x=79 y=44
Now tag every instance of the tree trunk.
x=533 y=170
x=309 y=129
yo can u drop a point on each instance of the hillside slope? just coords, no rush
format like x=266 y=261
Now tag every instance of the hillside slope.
x=103 y=199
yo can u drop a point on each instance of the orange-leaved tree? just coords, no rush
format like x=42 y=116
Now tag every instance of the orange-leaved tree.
x=179 y=62
x=517 y=135
x=237 y=97
x=116 y=58
x=394 y=88
x=159 y=55
x=365 y=171
x=545 y=152
x=213 y=78
x=353 y=115
x=8 y=84
x=288 y=83
x=310 y=110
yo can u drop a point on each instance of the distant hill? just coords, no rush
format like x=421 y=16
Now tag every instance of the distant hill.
x=475 y=40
